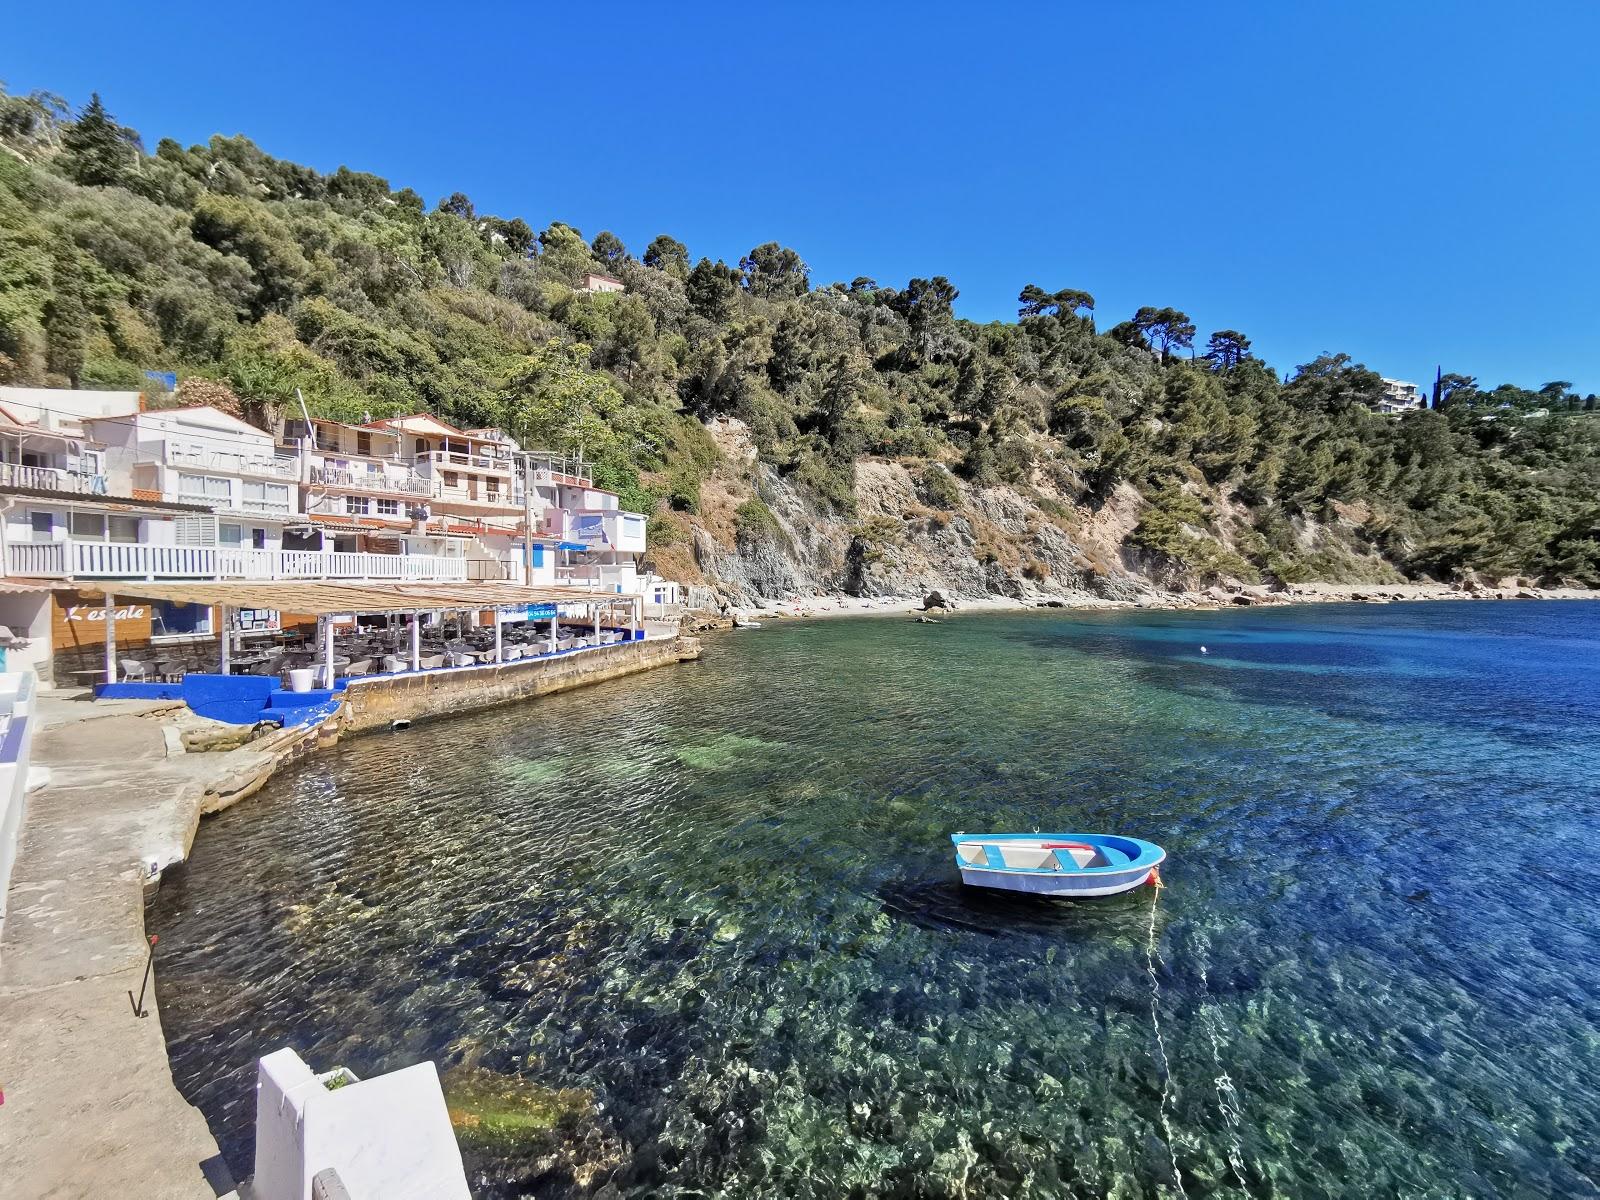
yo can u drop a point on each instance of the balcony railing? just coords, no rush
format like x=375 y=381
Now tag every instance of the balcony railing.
x=448 y=459
x=374 y=481
x=276 y=466
x=460 y=494
x=129 y=560
x=560 y=468
x=53 y=479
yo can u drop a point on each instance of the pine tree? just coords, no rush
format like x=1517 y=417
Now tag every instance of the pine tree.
x=96 y=151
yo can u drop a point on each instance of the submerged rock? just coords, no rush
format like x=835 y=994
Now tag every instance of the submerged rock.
x=512 y=1128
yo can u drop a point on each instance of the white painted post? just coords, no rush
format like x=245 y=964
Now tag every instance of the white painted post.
x=328 y=655
x=633 y=618
x=596 y=608
x=498 y=644
x=416 y=641
x=111 y=638
x=555 y=620
x=226 y=638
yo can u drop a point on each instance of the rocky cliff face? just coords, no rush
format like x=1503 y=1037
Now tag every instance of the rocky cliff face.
x=1036 y=543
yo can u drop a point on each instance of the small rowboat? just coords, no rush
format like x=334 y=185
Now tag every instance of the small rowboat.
x=1056 y=864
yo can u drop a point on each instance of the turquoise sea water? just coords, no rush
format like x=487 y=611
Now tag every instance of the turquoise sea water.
x=719 y=900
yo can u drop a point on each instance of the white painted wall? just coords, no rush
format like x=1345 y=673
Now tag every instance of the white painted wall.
x=387 y=1137
x=17 y=691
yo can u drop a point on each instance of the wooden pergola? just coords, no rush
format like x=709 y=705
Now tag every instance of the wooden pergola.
x=327 y=600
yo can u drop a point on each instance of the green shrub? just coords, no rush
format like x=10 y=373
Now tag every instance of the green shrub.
x=938 y=487
x=755 y=526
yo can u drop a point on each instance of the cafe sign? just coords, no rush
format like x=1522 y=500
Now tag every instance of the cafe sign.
x=90 y=612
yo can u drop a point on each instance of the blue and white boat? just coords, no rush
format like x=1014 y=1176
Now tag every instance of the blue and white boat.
x=1056 y=864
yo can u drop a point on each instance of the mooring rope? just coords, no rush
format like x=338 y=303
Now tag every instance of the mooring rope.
x=1227 y=1094
x=1152 y=958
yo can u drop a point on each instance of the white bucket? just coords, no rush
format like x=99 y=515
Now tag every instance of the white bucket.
x=300 y=679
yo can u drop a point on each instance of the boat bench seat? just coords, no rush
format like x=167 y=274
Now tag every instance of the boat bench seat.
x=1028 y=857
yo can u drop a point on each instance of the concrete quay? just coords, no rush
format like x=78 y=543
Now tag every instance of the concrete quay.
x=90 y=1108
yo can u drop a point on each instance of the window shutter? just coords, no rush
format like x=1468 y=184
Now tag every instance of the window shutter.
x=195 y=531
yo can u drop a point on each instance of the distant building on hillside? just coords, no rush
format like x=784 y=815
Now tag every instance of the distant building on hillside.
x=1400 y=397
x=592 y=282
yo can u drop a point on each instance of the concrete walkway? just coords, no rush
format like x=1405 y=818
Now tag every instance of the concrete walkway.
x=90 y=1108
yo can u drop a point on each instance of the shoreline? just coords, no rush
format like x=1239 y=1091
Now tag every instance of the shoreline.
x=823 y=606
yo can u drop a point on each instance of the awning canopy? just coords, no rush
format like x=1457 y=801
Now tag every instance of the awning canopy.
x=326 y=599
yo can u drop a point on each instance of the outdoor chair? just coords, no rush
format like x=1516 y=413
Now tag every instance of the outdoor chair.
x=133 y=669
x=461 y=658
x=433 y=660
x=362 y=666
x=394 y=664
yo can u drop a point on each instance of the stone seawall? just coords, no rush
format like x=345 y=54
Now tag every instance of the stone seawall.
x=378 y=703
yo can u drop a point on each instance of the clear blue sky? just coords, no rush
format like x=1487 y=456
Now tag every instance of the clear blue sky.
x=1409 y=182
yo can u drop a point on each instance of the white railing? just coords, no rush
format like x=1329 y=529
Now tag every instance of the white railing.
x=461 y=495
x=338 y=564
x=456 y=458
x=373 y=481
x=130 y=560
x=43 y=559
x=53 y=479
x=559 y=468
x=278 y=466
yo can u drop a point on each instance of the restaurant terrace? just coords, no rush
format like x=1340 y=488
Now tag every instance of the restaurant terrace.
x=364 y=630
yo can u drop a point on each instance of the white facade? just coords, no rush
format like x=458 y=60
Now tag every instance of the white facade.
x=205 y=457
x=1400 y=396
x=17 y=690
x=595 y=282
x=387 y=1137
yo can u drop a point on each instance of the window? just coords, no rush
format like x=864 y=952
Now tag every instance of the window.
x=356 y=506
x=388 y=508
x=363 y=443
x=451 y=478
x=230 y=535
x=89 y=525
x=171 y=619
x=44 y=525
x=258 y=539
x=203 y=489
x=273 y=497
x=125 y=529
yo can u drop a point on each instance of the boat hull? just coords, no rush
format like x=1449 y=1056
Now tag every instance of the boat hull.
x=1056 y=883
x=1068 y=865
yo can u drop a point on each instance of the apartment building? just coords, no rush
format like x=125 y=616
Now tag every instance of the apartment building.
x=1400 y=396
x=94 y=487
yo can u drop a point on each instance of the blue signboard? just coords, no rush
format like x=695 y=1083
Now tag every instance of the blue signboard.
x=540 y=612
x=167 y=379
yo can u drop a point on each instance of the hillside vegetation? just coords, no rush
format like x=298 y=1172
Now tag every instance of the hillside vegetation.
x=784 y=433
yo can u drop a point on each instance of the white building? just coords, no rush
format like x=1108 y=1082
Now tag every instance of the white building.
x=594 y=282
x=202 y=456
x=1400 y=396
x=600 y=544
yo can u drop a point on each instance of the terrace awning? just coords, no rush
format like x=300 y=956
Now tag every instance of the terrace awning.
x=327 y=599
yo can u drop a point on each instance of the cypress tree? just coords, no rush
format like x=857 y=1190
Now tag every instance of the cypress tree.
x=66 y=320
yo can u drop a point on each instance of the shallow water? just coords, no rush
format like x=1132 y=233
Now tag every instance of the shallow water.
x=720 y=899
